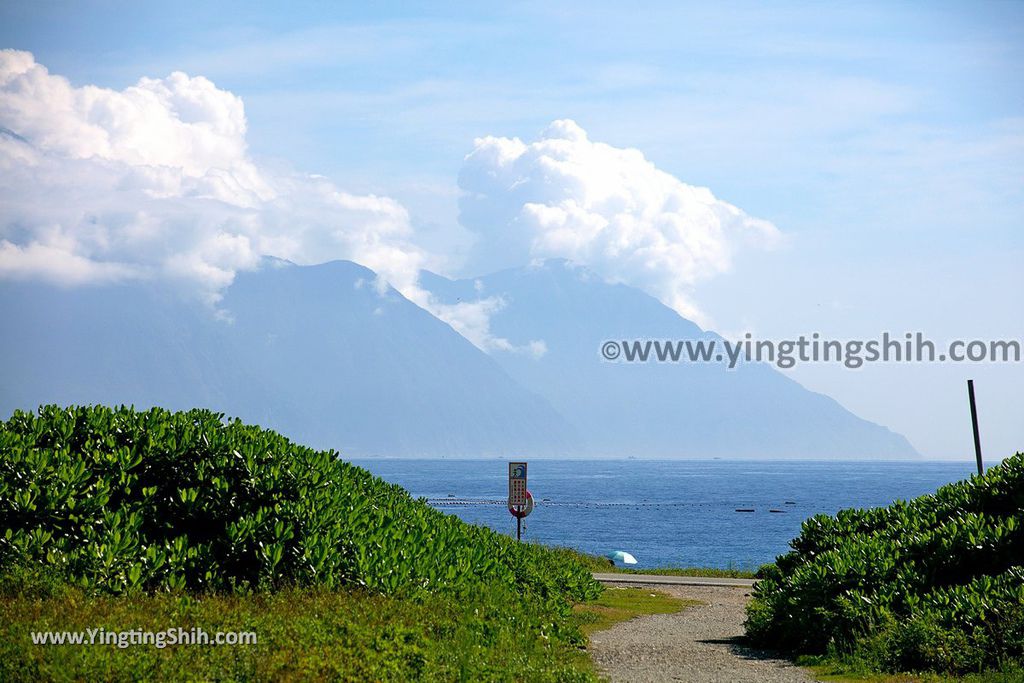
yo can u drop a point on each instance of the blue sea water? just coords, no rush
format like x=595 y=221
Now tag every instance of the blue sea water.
x=667 y=513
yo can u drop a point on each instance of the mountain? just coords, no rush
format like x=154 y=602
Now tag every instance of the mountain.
x=660 y=410
x=319 y=354
x=315 y=352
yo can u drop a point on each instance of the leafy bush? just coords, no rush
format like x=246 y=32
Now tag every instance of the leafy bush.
x=936 y=583
x=122 y=501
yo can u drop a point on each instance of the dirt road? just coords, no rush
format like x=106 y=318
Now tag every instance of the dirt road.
x=698 y=644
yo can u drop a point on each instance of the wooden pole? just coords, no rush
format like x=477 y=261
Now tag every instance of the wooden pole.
x=974 y=424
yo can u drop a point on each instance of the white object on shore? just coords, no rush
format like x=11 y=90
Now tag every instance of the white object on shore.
x=621 y=556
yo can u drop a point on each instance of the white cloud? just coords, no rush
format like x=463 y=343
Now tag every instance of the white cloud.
x=609 y=208
x=472 y=319
x=52 y=262
x=155 y=181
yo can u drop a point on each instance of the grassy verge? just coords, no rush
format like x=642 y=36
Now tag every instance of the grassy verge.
x=834 y=670
x=315 y=635
x=301 y=635
x=623 y=604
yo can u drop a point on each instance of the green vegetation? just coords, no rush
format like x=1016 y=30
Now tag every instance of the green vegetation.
x=623 y=604
x=832 y=669
x=122 y=520
x=117 y=499
x=931 y=585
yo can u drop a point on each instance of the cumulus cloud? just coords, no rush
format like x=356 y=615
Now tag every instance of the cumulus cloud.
x=611 y=209
x=155 y=181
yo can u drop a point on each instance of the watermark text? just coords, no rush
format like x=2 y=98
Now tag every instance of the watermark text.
x=911 y=347
x=134 y=637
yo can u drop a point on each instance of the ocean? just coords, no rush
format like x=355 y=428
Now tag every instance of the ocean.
x=666 y=513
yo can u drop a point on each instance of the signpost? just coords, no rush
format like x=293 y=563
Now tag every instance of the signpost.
x=520 y=502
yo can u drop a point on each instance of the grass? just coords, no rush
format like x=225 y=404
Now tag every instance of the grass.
x=492 y=633
x=830 y=669
x=305 y=634
x=302 y=634
x=623 y=604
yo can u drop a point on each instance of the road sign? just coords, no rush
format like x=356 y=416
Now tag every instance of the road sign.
x=517 y=484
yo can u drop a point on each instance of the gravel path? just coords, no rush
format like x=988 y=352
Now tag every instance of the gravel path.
x=697 y=644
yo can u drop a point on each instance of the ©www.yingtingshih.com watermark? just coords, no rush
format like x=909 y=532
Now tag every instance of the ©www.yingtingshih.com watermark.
x=134 y=637
x=851 y=353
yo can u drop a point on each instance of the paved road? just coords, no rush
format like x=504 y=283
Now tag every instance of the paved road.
x=673 y=580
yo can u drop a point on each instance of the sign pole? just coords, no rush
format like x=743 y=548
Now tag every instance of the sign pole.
x=974 y=424
x=519 y=528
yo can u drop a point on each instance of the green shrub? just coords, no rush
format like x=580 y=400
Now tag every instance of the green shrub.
x=121 y=501
x=936 y=583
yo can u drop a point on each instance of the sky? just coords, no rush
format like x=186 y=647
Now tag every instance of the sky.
x=863 y=163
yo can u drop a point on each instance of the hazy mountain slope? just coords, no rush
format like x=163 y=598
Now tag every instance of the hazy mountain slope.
x=652 y=409
x=314 y=352
x=109 y=345
x=378 y=374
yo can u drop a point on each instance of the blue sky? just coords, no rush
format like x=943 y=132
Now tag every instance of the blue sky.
x=884 y=141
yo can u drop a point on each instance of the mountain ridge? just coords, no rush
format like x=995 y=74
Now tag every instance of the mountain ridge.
x=325 y=356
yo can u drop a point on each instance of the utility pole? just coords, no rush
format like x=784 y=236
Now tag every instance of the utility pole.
x=974 y=423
